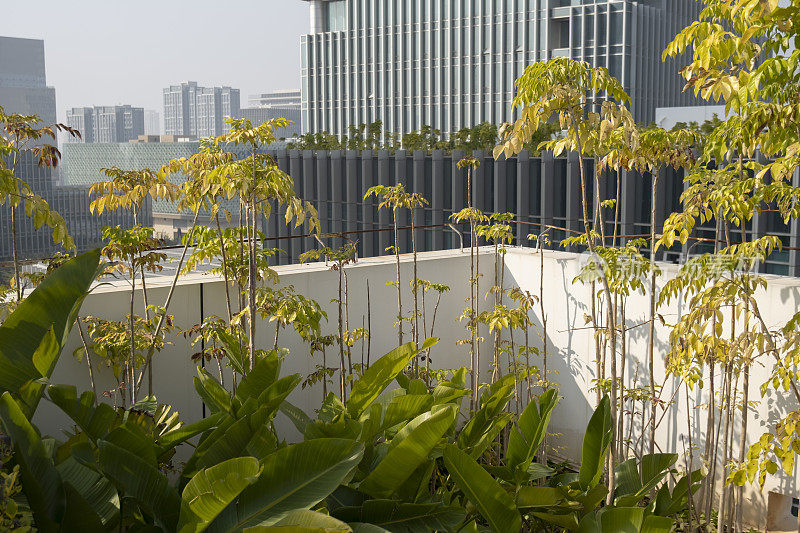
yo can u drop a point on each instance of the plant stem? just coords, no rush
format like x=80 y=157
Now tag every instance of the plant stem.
x=399 y=290
x=88 y=358
x=652 y=333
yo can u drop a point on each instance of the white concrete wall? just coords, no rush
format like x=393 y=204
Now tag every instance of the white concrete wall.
x=571 y=345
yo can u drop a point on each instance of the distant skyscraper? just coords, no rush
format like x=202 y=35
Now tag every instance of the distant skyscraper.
x=286 y=99
x=452 y=64
x=24 y=90
x=106 y=124
x=200 y=111
x=23 y=83
x=152 y=122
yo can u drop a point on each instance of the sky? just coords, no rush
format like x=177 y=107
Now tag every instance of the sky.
x=108 y=52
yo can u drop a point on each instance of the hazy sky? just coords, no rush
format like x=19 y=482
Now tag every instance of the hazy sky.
x=102 y=52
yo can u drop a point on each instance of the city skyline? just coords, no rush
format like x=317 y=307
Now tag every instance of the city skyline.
x=135 y=70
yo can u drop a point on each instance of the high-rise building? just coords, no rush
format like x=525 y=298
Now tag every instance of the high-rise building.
x=152 y=122
x=24 y=90
x=258 y=115
x=106 y=124
x=200 y=111
x=23 y=82
x=452 y=64
x=284 y=99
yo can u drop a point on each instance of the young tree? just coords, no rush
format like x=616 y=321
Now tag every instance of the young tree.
x=571 y=91
x=22 y=135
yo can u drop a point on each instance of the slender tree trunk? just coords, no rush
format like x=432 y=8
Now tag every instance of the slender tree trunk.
x=223 y=251
x=691 y=457
x=132 y=362
x=652 y=333
x=414 y=284
x=600 y=361
x=369 y=325
x=162 y=314
x=15 y=252
x=342 y=376
x=496 y=349
x=707 y=494
x=251 y=275
x=611 y=327
x=545 y=379
x=88 y=358
x=623 y=363
x=723 y=508
x=347 y=320
x=399 y=289
x=324 y=375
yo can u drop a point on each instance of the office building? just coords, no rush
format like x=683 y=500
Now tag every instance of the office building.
x=259 y=115
x=152 y=122
x=281 y=99
x=23 y=82
x=106 y=124
x=452 y=64
x=24 y=90
x=200 y=111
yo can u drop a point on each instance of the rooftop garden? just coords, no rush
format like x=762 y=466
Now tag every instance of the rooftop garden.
x=399 y=443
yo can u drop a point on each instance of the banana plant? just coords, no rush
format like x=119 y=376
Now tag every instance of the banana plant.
x=33 y=336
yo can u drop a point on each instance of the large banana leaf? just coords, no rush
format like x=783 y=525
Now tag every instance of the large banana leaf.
x=303 y=521
x=613 y=520
x=94 y=419
x=595 y=445
x=380 y=374
x=635 y=479
x=264 y=373
x=141 y=481
x=216 y=398
x=32 y=337
x=668 y=504
x=40 y=479
x=490 y=419
x=395 y=516
x=495 y=504
x=294 y=478
x=526 y=438
x=211 y=490
x=409 y=454
x=94 y=489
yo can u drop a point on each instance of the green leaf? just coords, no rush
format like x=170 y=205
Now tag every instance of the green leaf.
x=140 y=480
x=293 y=478
x=495 y=504
x=526 y=438
x=635 y=479
x=528 y=497
x=303 y=521
x=411 y=452
x=94 y=419
x=380 y=375
x=256 y=381
x=657 y=524
x=79 y=515
x=211 y=490
x=216 y=398
x=95 y=489
x=485 y=424
x=41 y=481
x=50 y=309
x=613 y=519
x=297 y=416
x=392 y=515
x=595 y=445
